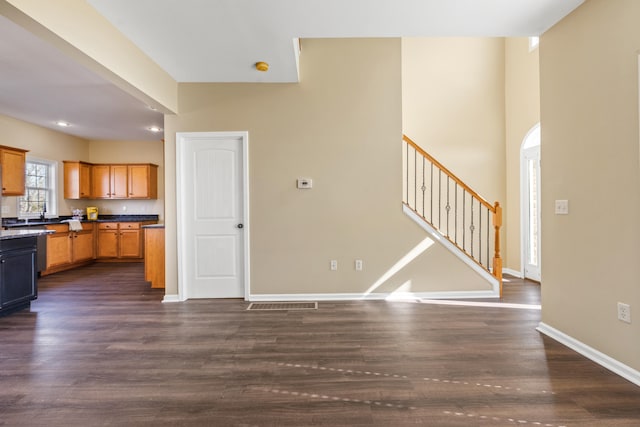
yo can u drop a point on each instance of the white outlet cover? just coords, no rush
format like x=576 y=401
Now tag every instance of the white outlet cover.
x=562 y=207
x=624 y=312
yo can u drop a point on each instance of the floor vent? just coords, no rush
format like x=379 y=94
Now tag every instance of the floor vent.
x=283 y=306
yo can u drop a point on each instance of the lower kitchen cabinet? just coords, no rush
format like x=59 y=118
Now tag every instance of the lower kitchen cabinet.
x=69 y=249
x=120 y=241
x=18 y=277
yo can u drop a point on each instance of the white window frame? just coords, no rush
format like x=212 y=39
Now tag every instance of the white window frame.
x=52 y=202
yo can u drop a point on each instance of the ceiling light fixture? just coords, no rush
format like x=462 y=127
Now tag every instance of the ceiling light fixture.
x=62 y=123
x=154 y=129
x=262 y=66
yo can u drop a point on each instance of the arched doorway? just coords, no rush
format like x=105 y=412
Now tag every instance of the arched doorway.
x=530 y=203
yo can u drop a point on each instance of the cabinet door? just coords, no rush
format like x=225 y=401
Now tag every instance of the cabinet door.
x=138 y=181
x=130 y=243
x=58 y=249
x=17 y=276
x=118 y=181
x=82 y=246
x=85 y=181
x=12 y=172
x=107 y=243
x=77 y=180
x=101 y=182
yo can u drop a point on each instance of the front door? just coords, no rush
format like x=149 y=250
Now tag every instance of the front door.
x=531 y=205
x=211 y=214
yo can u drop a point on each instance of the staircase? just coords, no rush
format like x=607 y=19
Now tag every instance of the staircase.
x=452 y=212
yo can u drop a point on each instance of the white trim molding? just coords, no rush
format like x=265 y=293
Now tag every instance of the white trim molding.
x=172 y=298
x=591 y=353
x=495 y=285
x=513 y=273
x=390 y=296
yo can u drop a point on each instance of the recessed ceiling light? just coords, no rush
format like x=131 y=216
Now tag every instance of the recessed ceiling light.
x=63 y=123
x=155 y=129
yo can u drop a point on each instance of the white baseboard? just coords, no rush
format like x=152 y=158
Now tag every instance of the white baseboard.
x=403 y=296
x=171 y=298
x=600 y=358
x=511 y=272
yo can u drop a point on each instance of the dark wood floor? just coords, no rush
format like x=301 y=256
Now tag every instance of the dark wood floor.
x=98 y=348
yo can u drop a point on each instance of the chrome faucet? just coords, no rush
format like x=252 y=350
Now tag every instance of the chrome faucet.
x=44 y=210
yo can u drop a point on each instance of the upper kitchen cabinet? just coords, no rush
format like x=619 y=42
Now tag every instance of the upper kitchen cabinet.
x=143 y=181
x=77 y=180
x=109 y=182
x=13 y=163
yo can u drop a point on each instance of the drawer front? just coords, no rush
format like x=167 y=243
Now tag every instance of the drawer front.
x=87 y=226
x=58 y=228
x=107 y=226
x=129 y=226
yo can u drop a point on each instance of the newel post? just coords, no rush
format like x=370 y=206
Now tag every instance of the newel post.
x=497 y=260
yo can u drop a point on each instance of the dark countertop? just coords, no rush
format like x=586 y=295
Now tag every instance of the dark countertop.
x=18 y=234
x=14 y=222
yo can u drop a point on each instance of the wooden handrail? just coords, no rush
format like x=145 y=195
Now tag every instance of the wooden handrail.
x=449 y=173
x=495 y=211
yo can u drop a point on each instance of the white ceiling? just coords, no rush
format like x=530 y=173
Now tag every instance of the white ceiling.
x=220 y=41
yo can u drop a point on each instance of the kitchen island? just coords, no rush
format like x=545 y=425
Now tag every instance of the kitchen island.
x=18 y=269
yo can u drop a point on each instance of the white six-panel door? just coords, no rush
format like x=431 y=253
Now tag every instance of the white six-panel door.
x=212 y=244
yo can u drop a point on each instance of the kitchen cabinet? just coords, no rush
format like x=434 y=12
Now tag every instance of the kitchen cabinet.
x=18 y=277
x=77 y=180
x=120 y=241
x=154 y=255
x=69 y=249
x=109 y=182
x=13 y=164
x=142 y=181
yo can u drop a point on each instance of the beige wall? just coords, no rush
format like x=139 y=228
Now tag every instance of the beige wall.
x=589 y=117
x=522 y=101
x=453 y=106
x=44 y=144
x=341 y=126
x=130 y=152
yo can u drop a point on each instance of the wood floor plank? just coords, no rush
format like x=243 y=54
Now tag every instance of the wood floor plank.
x=99 y=348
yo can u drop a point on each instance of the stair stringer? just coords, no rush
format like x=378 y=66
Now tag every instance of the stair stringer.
x=437 y=236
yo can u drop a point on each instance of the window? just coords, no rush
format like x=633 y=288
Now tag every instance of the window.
x=40 y=189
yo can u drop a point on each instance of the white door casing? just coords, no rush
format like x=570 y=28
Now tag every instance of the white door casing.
x=530 y=204
x=212 y=201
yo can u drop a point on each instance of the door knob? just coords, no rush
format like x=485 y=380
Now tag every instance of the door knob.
x=240 y=225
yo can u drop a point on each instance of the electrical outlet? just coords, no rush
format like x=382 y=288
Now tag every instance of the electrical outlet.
x=562 y=207
x=334 y=265
x=624 y=312
x=358 y=265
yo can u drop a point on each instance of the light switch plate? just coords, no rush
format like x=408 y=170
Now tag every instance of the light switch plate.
x=562 y=207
